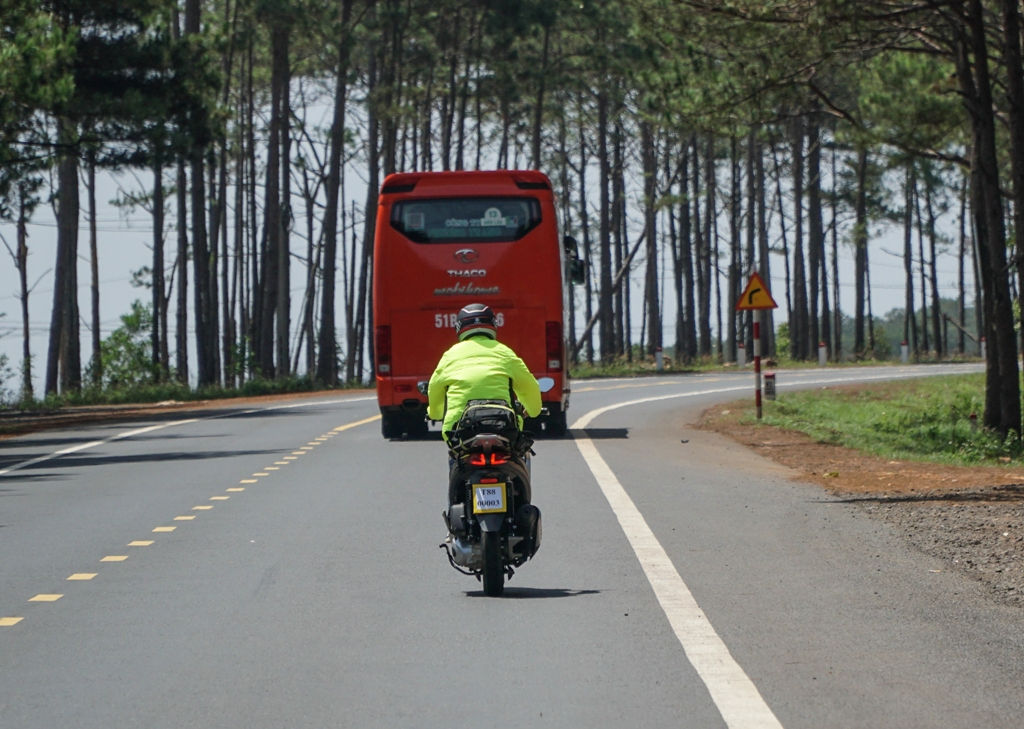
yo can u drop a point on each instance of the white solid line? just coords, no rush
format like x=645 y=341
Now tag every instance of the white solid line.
x=734 y=694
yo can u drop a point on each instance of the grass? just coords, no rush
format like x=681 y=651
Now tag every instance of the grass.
x=927 y=419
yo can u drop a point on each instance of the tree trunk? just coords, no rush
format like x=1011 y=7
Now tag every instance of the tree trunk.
x=21 y=259
x=815 y=238
x=650 y=222
x=704 y=244
x=925 y=341
x=156 y=338
x=282 y=72
x=588 y=252
x=206 y=314
x=799 y=347
x=1015 y=96
x=735 y=249
x=538 y=111
x=606 y=327
x=94 y=272
x=909 y=315
x=327 y=346
x=764 y=250
x=63 y=364
x=181 y=319
x=750 y=264
x=620 y=299
x=860 y=247
x=961 y=306
x=1002 y=390
x=933 y=274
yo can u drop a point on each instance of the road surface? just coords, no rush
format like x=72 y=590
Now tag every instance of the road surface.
x=279 y=567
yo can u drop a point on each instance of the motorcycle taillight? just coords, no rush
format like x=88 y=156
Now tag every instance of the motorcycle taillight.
x=481 y=459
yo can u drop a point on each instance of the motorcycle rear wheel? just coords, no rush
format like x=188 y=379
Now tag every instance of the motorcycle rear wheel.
x=494 y=569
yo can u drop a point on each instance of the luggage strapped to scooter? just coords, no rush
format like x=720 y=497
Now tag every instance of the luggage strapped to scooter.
x=494 y=417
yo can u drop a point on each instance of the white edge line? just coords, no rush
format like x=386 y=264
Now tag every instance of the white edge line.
x=734 y=694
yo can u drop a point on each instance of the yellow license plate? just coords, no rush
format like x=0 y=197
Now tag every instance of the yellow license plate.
x=489 y=498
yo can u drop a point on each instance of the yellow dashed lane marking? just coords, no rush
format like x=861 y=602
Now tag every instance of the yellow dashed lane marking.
x=6 y=622
x=235 y=490
x=249 y=480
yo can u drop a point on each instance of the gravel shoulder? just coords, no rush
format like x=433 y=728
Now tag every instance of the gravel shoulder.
x=970 y=518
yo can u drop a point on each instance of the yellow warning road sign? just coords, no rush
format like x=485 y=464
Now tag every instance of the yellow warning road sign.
x=756 y=296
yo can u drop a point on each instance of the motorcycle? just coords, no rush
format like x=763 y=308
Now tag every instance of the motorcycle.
x=493 y=526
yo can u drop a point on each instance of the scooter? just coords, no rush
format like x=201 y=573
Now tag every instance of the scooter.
x=493 y=526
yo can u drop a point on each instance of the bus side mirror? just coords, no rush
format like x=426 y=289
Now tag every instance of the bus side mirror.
x=577 y=268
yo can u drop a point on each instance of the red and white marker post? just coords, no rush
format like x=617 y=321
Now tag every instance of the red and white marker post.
x=756 y=298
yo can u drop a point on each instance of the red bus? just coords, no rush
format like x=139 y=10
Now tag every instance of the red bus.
x=447 y=239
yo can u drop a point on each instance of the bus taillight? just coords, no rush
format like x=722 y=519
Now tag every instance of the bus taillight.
x=383 y=350
x=553 y=345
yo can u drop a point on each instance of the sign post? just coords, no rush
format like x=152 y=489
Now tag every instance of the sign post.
x=756 y=297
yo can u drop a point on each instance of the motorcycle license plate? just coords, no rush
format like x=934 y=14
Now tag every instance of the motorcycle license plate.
x=488 y=498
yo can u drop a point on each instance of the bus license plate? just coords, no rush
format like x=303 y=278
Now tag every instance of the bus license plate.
x=488 y=498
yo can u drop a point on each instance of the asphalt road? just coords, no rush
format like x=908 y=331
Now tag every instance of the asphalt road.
x=279 y=568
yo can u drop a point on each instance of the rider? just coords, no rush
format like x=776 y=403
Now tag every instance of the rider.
x=478 y=367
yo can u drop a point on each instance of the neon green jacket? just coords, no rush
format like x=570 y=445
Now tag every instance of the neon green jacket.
x=478 y=368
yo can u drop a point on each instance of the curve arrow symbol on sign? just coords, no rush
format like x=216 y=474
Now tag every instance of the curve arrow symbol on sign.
x=755 y=295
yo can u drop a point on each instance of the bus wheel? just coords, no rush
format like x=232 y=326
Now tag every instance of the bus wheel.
x=556 y=425
x=416 y=425
x=391 y=425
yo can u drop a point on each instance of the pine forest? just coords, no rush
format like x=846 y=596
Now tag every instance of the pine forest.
x=690 y=143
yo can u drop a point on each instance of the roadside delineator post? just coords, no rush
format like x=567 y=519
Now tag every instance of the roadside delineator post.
x=756 y=298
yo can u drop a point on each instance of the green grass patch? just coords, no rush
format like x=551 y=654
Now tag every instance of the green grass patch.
x=927 y=419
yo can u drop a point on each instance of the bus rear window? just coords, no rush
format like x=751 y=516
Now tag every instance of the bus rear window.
x=476 y=219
